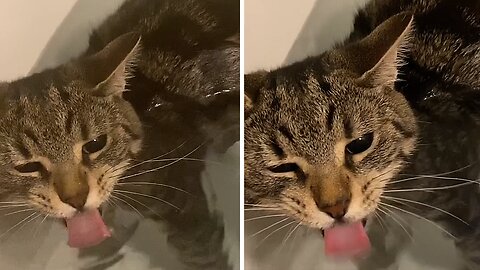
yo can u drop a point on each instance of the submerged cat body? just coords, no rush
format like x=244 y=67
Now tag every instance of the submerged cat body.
x=326 y=139
x=69 y=134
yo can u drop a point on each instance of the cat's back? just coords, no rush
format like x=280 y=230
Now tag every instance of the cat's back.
x=441 y=71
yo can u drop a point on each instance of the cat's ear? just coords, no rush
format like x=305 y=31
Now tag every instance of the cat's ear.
x=110 y=68
x=253 y=83
x=383 y=51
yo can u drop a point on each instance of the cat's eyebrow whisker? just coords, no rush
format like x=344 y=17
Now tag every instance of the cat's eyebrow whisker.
x=152 y=184
x=427 y=188
x=420 y=217
x=402 y=200
x=139 y=202
x=147 y=196
x=127 y=203
x=391 y=214
x=163 y=166
x=263 y=217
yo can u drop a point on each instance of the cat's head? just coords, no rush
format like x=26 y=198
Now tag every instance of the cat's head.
x=324 y=136
x=66 y=134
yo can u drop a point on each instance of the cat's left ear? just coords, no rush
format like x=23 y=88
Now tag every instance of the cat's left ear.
x=384 y=51
x=110 y=68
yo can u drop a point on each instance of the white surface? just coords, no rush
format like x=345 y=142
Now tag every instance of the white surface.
x=271 y=27
x=26 y=28
x=280 y=32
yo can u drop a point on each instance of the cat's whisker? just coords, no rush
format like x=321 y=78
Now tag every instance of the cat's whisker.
x=270 y=226
x=13 y=206
x=13 y=202
x=163 y=166
x=152 y=184
x=435 y=176
x=391 y=215
x=30 y=220
x=263 y=209
x=380 y=221
x=270 y=234
x=19 y=211
x=16 y=225
x=39 y=225
x=263 y=217
x=382 y=174
x=147 y=196
x=290 y=234
x=127 y=203
x=118 y=169
x=160 y=156
x=427 y=188
x=420 y=217
x=139 y=202
x=261 y=205
x=426 y=205
x=184 y=159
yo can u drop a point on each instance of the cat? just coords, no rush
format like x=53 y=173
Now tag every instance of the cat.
x=327 y=139
x=158 y=77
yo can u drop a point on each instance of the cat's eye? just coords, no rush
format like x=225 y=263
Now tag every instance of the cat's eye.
x=95 y=145
x=285 y=168
x=29 y=167
x=360 y=144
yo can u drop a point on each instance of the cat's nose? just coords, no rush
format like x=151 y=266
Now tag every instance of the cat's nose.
x=337 y=210
x=77 y=201
x=73 y=194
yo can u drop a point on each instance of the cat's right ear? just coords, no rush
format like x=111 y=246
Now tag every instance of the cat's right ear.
x=109 y=69
x=378 y=56
x=253 y=83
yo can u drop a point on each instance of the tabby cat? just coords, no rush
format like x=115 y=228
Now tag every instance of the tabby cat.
x=328 y=139
x=159 y=79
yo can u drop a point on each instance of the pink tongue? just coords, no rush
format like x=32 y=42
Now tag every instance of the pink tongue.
x=86 y=229
x=346 y=241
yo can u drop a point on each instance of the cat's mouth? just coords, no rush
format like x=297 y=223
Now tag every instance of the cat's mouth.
x=346 y=240
x=86 y=229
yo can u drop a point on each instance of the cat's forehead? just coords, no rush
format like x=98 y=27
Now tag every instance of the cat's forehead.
x=49 y=124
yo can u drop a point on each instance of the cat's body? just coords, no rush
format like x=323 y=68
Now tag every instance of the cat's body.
x=436 y=72
x=179 y=61
x=441 y=80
